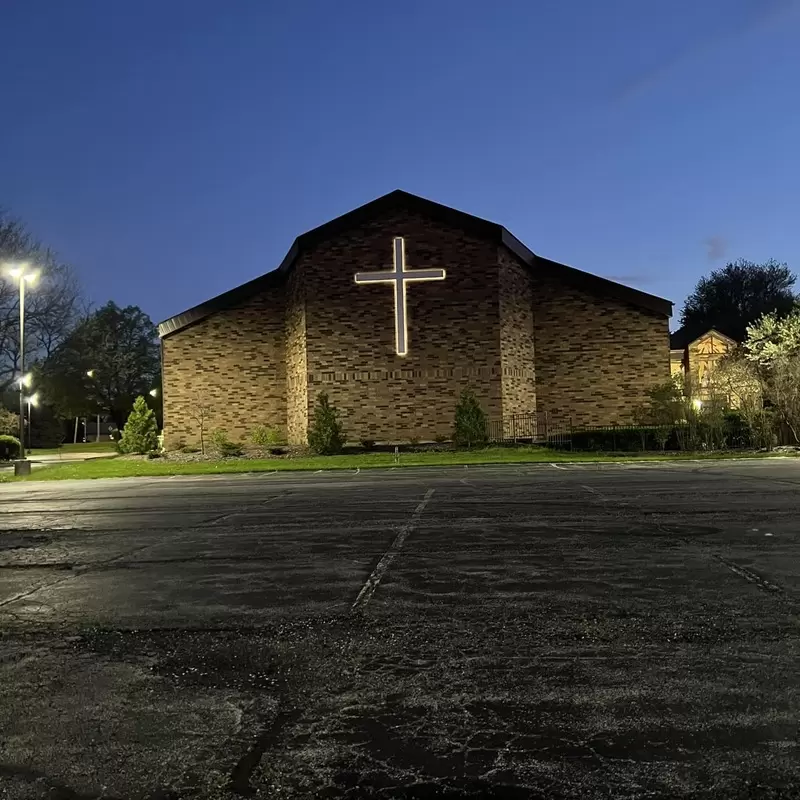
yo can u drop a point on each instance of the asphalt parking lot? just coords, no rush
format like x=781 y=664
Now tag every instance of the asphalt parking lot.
x=548 y=631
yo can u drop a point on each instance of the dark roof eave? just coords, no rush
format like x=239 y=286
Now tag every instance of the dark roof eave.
x=594 y=284
x=452 y=216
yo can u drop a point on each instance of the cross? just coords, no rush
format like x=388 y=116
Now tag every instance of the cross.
x=399 y=277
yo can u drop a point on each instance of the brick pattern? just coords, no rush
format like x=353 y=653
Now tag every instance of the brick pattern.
x=228 y=369
x=452 y=324
x=596 y=357
x=296 y=423
x=520 y=341
x=516 y=335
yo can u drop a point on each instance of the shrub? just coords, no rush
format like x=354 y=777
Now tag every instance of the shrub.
x=326 y=436
x=140 y=434
x=223 y=445
x=9 y=447
x=368 y=444
x=440 y=438
x=413 y=440
x=264 y=436
x=470 y=424
x=9 y=422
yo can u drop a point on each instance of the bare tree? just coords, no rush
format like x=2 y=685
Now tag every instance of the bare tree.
x=52 y=308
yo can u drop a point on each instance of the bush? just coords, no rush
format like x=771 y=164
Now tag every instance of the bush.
x=223 y=445
x=470 y=424
x=440 y=438
x=413 y=440
x=368 y=444
x=140 y=434
x=9 y=447
x=9 y=422
x=264 y=436
x=326 y=436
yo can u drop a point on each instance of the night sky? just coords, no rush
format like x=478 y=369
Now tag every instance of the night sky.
x=172 y=150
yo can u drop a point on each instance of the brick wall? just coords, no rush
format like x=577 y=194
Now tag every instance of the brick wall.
x=296 y=427
x=452 y=328
x=596 y=357
x=516 y=335
x=230 y=369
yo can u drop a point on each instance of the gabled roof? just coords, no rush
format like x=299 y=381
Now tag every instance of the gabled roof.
x=689 y=334
x=481 y=228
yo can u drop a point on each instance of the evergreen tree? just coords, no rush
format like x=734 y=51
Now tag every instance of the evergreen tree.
x=140 y=434
x=471 y=423
x=325 y=436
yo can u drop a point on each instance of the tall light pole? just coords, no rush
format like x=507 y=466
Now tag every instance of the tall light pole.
x=24 y=274
x=33 y=401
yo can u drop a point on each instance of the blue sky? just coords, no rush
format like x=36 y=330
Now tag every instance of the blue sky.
x=171 y=150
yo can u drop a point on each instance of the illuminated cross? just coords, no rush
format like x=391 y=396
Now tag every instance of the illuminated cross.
x=399 y=277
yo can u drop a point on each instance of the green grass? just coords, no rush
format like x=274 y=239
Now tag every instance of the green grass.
x=119 y=468
x=103 y=446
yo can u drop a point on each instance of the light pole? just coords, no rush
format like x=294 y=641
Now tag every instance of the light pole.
x=91 y=373
x=33 y=400
x=24 y=274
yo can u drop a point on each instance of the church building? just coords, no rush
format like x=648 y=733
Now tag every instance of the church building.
x=392 y=309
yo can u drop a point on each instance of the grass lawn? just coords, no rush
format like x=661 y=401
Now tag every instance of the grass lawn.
x=103 y=446
x=118 y=468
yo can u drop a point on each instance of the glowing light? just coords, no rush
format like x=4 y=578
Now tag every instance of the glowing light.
x=399 y=277
x=22 y=272
x=697 y=403
x=90 y=372
x=33 y=400
x=153 y=393
x=25 y=380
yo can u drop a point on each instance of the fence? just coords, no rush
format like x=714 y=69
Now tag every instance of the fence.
x=533 y=428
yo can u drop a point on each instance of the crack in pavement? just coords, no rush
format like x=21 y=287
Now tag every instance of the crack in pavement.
x=368 y=589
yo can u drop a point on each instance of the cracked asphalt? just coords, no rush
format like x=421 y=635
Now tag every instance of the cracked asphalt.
x=547 y=631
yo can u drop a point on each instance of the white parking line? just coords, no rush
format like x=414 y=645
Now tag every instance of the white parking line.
x=556 y=466
x=368 y=589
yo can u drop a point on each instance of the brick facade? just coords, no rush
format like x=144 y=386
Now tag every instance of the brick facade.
x=596 y=357
x=520 y=341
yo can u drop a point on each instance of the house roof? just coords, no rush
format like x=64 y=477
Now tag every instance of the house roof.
x=481 y=228
x=688 y=334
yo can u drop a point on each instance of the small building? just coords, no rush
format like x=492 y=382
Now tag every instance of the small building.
x=694 y=353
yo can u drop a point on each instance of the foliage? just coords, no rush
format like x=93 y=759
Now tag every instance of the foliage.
x=440 y=438
x=47 y=430
x=9 y=447
x=702 y=434
x=736 y=296
x=773 y=348
x=471 y=424
x=368 y=444
x=52 y=306
x=9 y=422
x=737 y=380
x=223 y=445
x=326 y=435
x=119 y=347
x=413 y=440
x=140 y=434
x=264 y=436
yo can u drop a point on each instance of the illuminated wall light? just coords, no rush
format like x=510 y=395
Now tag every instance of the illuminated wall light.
x=399 y=276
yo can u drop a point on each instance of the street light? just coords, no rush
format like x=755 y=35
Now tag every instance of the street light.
x=24 y=274
x=153 y=393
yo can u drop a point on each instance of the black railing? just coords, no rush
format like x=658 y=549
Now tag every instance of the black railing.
x=539 y=428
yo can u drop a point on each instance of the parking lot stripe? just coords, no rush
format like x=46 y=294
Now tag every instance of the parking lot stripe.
x=368 y=589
